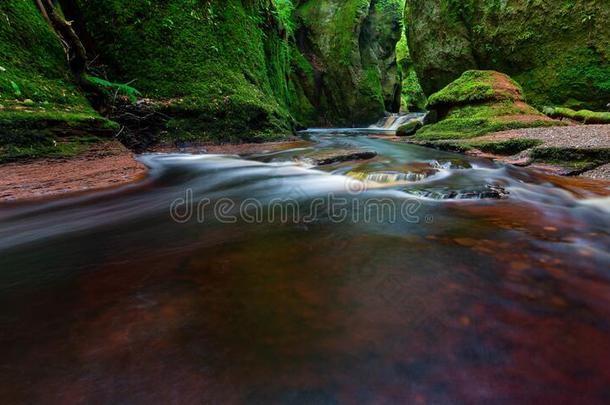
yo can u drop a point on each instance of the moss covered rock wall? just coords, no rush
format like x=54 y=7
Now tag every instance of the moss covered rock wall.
x=349 y=48
x=220 y=66
x=33 y=64
x=42 y=110
x=412 y=95
x=558 y=50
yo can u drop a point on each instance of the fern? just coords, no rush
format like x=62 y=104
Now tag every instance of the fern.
x=123 y=89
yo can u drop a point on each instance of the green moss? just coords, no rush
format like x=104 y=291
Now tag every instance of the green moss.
x=42 y=133
x=46 y=148
x=409 y=128
x=42 y=111
x=473 y=127
x=41 y=118
x=581 y=159
x=476 y=120
x=478 y=103
x=507 y=147
x=412 y=95
x=581 y=73
x=216 y=60
x=472 y=87
x=584 y=116
x=32 y=61
x=558 y=50
x=351 y=44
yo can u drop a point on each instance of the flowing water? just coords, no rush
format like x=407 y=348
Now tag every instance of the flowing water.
x=467 y=295
x=392 y=122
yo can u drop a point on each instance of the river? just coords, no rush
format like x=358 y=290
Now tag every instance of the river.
x=439 y=296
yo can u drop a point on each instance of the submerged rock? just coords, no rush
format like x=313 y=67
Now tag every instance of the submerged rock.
x=404 y=174
x=331 y=156
x=493 y=192
x=451 y=164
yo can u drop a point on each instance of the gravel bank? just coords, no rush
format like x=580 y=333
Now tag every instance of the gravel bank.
x=578 y=136
x=601 y=173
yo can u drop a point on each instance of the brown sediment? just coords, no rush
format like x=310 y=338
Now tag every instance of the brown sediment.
x=233 y=149
x=502 y=85
x=104 y=165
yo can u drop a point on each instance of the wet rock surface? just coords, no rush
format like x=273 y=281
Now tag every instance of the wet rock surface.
x=488 y=192
x=326 y=157
x=396 y=175
x=410 y=128
x=104 y=165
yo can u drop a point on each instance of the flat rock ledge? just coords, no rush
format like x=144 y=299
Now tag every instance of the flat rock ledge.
x=332 y=156
x=104 y=165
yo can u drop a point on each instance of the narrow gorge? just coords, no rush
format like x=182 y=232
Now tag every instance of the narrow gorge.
x=304 y=201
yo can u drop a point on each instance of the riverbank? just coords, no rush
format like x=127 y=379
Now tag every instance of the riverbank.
x=576 y=150
x=103 y=165
x=109 y=164
x=232 y=148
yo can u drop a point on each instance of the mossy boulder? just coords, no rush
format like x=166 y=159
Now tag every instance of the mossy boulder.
x=558 y=51
x=476 y=86
x=410 y=128
x=350 y=48
x=480 y=102
x=42 y=110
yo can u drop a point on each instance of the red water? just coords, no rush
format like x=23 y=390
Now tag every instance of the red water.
x=492 y=301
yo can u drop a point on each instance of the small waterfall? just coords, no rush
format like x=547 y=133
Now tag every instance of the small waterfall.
x=392 y=122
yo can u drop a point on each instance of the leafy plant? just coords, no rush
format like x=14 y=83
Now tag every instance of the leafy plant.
x=123 y=89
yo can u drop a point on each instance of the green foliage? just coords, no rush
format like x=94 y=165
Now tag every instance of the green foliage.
x=42 y=111
x=352 y=43
x=120 y=89
x=285 y=11
x=17 y=89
